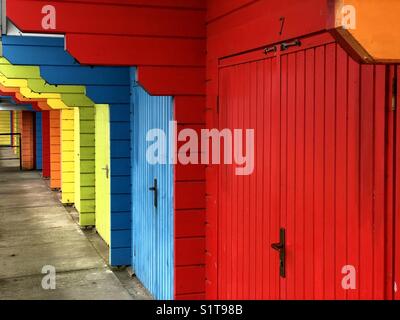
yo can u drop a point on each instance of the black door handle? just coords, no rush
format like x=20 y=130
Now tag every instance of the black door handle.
x=155 y=190
x=281 y=248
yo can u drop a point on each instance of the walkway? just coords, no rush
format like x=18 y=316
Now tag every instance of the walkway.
x=35 y=231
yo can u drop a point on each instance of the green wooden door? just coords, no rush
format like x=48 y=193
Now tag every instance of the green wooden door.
x=103 y=172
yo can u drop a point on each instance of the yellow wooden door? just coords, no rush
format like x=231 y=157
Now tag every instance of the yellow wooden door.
x=103 y=203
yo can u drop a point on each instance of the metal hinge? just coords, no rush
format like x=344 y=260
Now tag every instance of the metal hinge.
x=394 y=93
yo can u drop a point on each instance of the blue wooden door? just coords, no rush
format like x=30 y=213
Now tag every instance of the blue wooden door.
x=152 y=197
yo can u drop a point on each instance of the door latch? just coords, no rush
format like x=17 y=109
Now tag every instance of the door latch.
x=281 y=248
x=270 y=49
x=107 y=170
x=154 y=189
x=287 y=45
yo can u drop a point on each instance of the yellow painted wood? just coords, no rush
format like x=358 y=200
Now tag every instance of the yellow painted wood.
x=16 y=141
x=103 y=173
x=78 y=132
x=5 y=127
x=84 y=147
x=67 y=156
x=77 y=166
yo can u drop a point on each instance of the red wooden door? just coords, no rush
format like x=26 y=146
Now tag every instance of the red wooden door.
x=396 y=183
x=320 y=121
x=249 y=207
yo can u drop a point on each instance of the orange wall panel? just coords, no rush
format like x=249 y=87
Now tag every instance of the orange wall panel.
x=28 y=140
x=55 y=150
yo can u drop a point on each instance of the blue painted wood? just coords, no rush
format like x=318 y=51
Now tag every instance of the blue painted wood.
x=105 y=85
x=152 y=228
x=39 y=154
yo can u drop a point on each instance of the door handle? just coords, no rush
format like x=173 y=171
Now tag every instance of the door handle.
x=107 y=170
x=154 y=188
x=281 y=248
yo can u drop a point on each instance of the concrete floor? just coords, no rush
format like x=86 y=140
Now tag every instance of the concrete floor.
x=35 y=231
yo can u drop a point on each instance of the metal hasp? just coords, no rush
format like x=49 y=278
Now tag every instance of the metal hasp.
x=155 y=190
x=281 y=248
x=287 y=45
x=270 y=49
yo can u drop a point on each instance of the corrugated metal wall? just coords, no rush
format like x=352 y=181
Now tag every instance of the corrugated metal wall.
x=152 y=228
x=319 y=120
x=39 y=141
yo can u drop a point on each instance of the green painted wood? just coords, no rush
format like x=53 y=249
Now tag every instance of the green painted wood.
x=103 y=189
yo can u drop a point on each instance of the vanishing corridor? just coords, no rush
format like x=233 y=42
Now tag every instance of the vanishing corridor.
x=36 y=230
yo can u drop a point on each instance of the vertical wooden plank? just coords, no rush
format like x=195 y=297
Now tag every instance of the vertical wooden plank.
x=341 y=172
x=246 y=186
x=268 y=258
x=299 y=176
x=67 y=156
x=379 y=183
x=291 y=172
x=284 y=155
x=260 y=166
x=253 y=198
x=309 y=190
x=366 y=182
x=397 y=197
x=319 y=177
x=329 y=219
x=275 y=172
x=390 y=188
x=223 y=280
x=353 y=172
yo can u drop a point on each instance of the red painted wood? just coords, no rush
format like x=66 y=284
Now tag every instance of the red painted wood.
x=391 y=177
x=189 y=280
x=329 y=114
x=46 y=144
x=309 y=176
x=189 y=195
x=189 y=251
x=153 y=51
x=396 y=244
x=190 y=297
x=353 y=166
x=133 y=18
x=366 y=182
x=172 y=81
x=165 y=39
x=190 y=110
x=190 y=224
